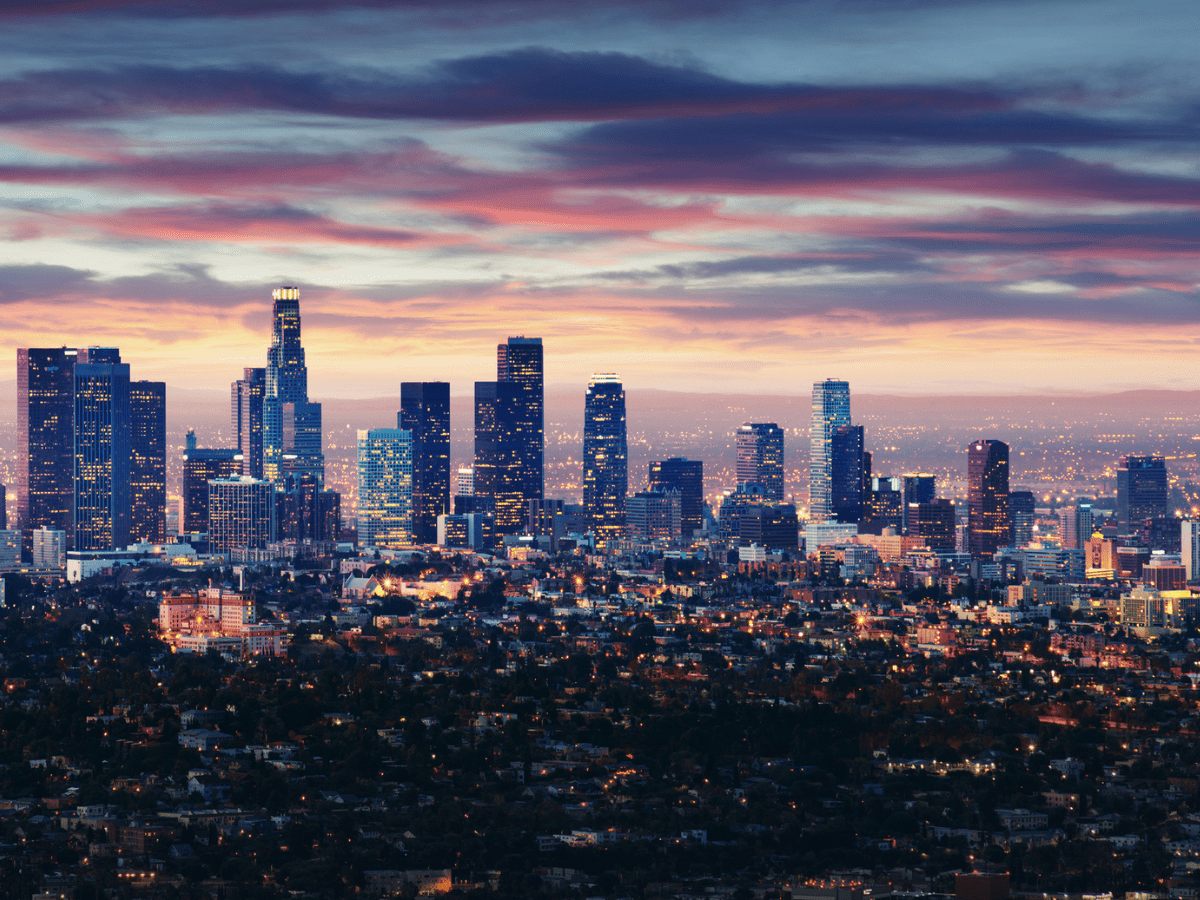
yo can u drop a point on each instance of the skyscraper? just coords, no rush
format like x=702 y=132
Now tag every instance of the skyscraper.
x=45 y=441
x=200 y=466
x=385 y=487
x=934 y=523
x=605 y=458
x=848 y=474
x=1021 y=513
x=241 y=513
x=1075 y=526
x=101 y=450
x=830 y=411
x=246 y=414
x=760 y=457
x=918 y=488
x=687 y=477
x=1141 y=490
x=425 y=411
x=148 y=461
x=497 y=470
x=291 y=424
x=519 y=362
x=987 y=497
x=1189 y=546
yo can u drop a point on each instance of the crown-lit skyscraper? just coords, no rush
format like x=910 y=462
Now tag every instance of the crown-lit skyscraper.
x=425 y=411
x=291 y=424
x=830 y=411
x=246 y=418
x=101 y=450
x=45 y=442
x=988 y=526
x=148 y=461
x=760 y=457
x=605 y=458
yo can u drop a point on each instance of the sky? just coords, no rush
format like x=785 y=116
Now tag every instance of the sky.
x=921 y=197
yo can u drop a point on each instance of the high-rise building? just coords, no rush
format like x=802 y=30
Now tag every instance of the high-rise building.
x=385 y=488
x=1141 y=490
x=49 y=548
x=200 y=466
x=241 y=513
x=425 y=411
x=102 y=450
x=760 y=457
x=45 y=441
x=1189 y=548
x=919 y=487
x=883 y=506
x=246 y=415
x=496 y=479
x=1022 y=514
x=304 y=512
x=830 y=411
x=3 y=506
x=605 y=458
x=987 y=497
x=148 y=461
x=291 y=424
x=1075 y=526
x=849 y=475
x=687 y=477
x=934 y=523
x=653 y=517
x=519 y=362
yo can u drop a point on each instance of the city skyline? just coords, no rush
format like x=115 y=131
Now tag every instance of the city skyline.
x=921 y=198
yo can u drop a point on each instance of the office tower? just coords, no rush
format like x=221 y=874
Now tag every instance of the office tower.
x=830 y=411
x=987 y=497
x=687 y=477
x=774 y=526
x=10 y=550
x=849 y=477
x=496 y=479
x=291 y=424
x=45 y=441
x=49 y=548
x=200 y=466
x=1141 y=490
x=1160 y=534
x=760 y=457
x=102 y=450
x=519 y=362
x=148 y=462
x=605 y=458
x=1021 y=513
x=464 y=491
x=304 y=512
x=883 y=506
x=425 y=411
x=3 y=506
x=241 y=513
x=934 y=523
x=654 y=516
x=1075 y=526
x=1189 y=548
x=246 y=415
x=385 y=487
x=918 y=488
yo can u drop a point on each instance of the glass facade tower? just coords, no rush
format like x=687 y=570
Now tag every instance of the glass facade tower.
x=605 y=458
x=830 y=411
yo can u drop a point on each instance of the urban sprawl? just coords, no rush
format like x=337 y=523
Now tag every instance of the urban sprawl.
x=458 y=685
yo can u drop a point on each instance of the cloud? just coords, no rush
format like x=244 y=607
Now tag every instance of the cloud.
x=693 y=110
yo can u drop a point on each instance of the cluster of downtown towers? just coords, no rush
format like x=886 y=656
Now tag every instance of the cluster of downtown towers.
x=91 y=462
